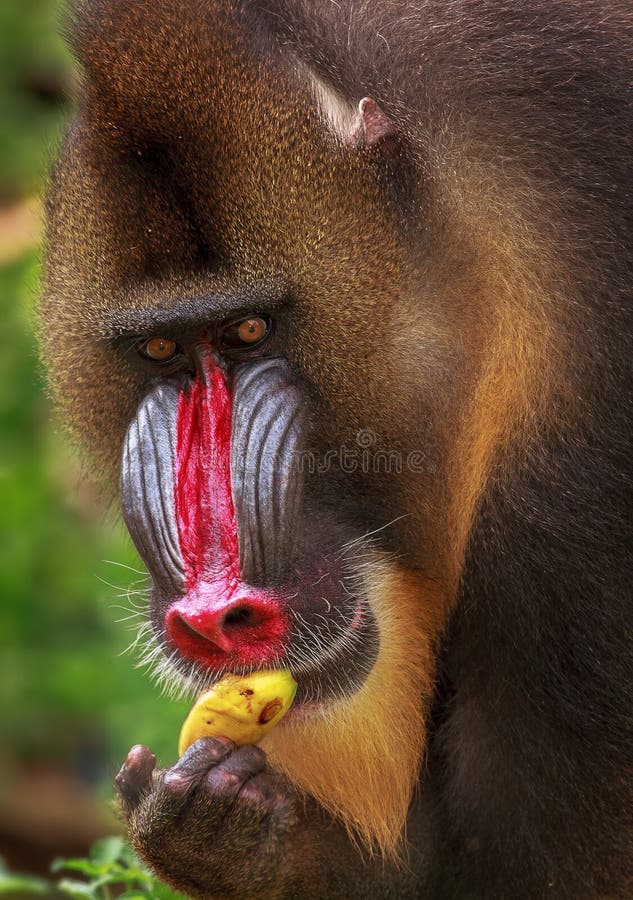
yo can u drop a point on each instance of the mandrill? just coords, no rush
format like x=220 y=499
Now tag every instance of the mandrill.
x=341 y=293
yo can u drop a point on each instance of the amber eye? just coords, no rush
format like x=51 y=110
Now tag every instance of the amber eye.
x=158 y=349
x=246 y=333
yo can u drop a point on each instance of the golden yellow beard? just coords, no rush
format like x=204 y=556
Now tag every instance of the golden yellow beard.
x=360 y=757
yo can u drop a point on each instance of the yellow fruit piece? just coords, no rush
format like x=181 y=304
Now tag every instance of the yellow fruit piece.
x=242 y=708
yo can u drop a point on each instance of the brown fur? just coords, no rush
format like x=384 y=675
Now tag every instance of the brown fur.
x=520 y=377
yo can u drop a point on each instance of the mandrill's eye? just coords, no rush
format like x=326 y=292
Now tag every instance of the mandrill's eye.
x=159 y=349
x=245 y=334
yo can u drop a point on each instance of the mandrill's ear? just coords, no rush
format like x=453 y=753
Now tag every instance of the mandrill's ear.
x=372 y=128
x=363 y=125
x=373 y=131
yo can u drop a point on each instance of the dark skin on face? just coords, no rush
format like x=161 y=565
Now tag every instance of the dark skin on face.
x=341 y=296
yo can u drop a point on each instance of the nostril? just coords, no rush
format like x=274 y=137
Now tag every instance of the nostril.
x=235 y=627
x=241 y=617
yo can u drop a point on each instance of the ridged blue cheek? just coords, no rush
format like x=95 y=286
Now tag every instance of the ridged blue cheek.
x=267 y=433
x=266 y=443
x=148 y=470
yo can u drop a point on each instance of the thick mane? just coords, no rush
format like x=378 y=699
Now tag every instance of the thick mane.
x=536 y=656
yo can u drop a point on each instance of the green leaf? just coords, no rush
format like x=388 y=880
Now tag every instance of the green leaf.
x=139 y=874
x=129 y=858
x=78 y=889
x=81 y=865
x=13 y=884
x=107 y=850
x=58 y=864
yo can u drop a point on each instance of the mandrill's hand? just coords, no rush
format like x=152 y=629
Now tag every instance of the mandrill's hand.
x=217 y=824
x=220 y=825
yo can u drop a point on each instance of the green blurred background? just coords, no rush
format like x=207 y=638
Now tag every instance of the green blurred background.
x=72 y=702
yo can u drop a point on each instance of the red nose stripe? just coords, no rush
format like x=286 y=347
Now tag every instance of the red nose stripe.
x=218 y=615
x=204 y=504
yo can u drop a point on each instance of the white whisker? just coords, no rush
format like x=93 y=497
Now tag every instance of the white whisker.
x=113 y=562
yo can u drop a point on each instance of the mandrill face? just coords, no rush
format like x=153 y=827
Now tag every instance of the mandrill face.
x=212 y=491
